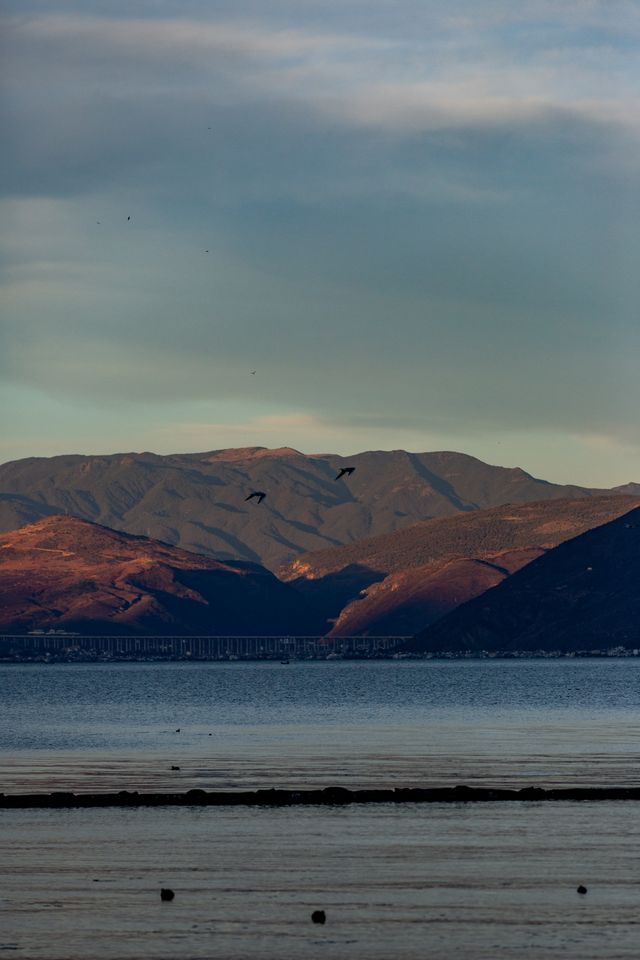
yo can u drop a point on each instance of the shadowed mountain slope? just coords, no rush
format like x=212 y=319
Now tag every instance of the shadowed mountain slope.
x=65 y=573
x=400 y=582
x=583 y=595
x=197 y=501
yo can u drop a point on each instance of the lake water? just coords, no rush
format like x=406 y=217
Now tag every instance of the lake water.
x=463 y=881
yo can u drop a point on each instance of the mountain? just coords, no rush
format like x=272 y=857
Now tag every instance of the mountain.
x=398 y=583
x=197 y=501
x=61 y=572
x=581 y=596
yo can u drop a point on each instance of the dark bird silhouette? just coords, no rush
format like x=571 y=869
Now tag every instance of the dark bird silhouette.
x=166 y=894
x=252 y=372
x=128 y=218
x=256 y=493
x=344 y=471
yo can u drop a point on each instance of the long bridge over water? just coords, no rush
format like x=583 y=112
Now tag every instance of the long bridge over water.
x=70 y=646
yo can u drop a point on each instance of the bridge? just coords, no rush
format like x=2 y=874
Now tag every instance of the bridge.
x=67 y=646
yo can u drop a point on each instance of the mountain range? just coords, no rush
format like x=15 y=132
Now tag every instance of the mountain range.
x=397 y=583
x=198 y=501
x=140 y=543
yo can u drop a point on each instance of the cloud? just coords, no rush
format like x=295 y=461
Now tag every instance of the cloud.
x=427 y=215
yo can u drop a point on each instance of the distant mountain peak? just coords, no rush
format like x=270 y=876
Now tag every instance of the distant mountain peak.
x=248 y=453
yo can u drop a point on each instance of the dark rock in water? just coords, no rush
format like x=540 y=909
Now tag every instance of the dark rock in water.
x=318 y=916
x=582 y=889
x=166 y=894
x=337 y=795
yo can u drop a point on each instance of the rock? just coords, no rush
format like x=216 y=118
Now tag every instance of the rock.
x=582 y=889
x=318 y=916
x=166 y=894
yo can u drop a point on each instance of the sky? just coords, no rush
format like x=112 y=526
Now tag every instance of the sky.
x=417 y=222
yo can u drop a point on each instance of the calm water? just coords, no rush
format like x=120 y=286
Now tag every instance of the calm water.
x=482 y=882
x=548 y=722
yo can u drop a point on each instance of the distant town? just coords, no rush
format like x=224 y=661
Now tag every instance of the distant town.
x=62 y=647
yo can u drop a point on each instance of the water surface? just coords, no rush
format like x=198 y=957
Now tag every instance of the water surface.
x=358 y=724
x=479 y=882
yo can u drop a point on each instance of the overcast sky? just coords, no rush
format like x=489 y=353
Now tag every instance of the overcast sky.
x=416 y=221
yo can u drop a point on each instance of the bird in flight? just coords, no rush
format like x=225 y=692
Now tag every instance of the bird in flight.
x=252 y=372
x=256 y=493
x=344 y=471
x=128 y=218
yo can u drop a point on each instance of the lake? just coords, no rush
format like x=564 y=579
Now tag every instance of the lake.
x=472 y=881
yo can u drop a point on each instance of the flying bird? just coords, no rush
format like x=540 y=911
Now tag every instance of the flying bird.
x=128 y=218
x=252 y=372
x=344 y=471
x=256 y=493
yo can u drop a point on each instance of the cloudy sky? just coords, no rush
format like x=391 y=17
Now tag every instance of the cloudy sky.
x=416 y=221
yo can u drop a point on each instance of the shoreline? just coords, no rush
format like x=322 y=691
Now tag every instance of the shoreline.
x=328 y=796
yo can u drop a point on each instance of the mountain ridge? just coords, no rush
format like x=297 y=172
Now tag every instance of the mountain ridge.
x=63 y=572
x=197 y=501
x=399 y=582
x=580 y=596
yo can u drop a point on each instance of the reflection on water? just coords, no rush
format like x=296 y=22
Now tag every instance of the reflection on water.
x=510 y=723
x=478 y=881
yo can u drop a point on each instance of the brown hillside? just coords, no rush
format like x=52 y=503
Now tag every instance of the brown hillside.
x=400 y=582
x=65 y=573
x=581 y=596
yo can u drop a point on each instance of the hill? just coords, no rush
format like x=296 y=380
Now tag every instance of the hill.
x=581 y=596
x=65 y=573
x=197 y=501
x=400 y=582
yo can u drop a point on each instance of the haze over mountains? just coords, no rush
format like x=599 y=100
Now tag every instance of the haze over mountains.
x=65 y=573
x=197 y=501
x=581 y=596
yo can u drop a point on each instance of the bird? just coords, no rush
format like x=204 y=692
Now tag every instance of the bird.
x=345 y=471
x=128 y=218
x=206 y=251
x=256 y=493
x=252 y=372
